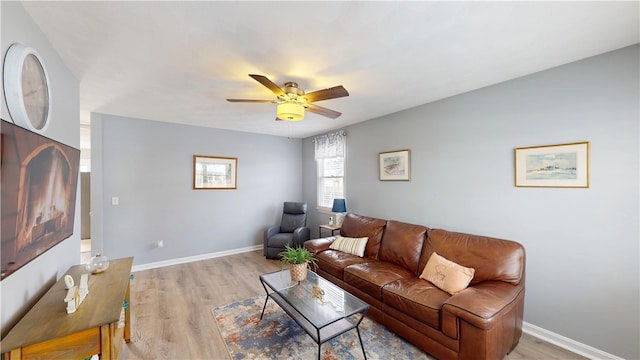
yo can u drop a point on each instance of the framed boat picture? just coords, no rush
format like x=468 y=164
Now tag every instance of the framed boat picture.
x=394 y=165
x=563 y=165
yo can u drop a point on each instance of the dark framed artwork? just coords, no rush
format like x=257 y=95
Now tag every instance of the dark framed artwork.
x=39 y=183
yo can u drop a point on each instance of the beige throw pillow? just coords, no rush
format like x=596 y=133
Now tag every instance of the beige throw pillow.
x=353 y=246
x=446 y=274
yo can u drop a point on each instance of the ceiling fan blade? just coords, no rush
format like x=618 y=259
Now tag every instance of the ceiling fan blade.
x=323 y=111
x=269 y=84
x=251 y=101
x=330 y=93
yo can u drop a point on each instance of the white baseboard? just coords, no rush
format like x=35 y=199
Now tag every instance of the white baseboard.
x=189 y=259
x=566 y=343
x=533 y=330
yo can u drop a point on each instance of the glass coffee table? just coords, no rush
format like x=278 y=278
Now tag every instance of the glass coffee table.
x=321 y=308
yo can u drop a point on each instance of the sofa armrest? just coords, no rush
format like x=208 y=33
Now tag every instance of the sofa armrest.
x=319 y=245
x=482 y=305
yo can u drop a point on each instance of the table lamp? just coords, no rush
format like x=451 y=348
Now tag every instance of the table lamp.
x=340 y=208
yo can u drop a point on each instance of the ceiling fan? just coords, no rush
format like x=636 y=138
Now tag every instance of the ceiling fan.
x=292 y=101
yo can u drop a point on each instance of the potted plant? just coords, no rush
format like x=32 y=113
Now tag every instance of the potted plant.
x=298 y=259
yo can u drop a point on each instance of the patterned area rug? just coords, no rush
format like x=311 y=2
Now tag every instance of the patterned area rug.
x=277 y=336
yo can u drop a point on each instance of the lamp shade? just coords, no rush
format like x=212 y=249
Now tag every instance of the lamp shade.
x=290 y=112
x=339 y=206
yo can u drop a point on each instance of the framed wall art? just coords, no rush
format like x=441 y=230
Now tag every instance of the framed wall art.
x=563 y=165
x=214 y=172
x=38 y=203
x=394 y=165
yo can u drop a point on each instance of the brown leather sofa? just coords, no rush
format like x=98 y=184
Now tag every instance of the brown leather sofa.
x=483 y=321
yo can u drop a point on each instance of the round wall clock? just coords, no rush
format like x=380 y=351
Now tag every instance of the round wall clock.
x=26 y=88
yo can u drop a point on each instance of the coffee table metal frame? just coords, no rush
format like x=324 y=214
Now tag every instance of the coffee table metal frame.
x=321 y=321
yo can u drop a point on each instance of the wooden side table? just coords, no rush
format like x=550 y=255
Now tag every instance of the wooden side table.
x=331 y=228
x=93 y=329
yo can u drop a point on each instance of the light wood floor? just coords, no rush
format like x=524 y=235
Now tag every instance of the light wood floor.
x=171 y=309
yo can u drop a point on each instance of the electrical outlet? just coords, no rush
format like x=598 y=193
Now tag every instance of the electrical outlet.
x=160 y=243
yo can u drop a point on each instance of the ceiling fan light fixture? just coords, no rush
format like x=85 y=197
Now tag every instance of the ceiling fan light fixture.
x=292 y=101
x=290 y=112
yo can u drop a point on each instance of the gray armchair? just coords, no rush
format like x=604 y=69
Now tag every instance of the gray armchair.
x=293 y=230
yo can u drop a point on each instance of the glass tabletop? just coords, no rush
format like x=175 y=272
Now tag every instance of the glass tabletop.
x=330 y=303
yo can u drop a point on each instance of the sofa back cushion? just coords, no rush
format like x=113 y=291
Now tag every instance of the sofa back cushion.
x=492 y=259
x=402 y=244
x=358 y=226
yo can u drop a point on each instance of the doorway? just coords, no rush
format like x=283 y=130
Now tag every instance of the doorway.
x=85 y=217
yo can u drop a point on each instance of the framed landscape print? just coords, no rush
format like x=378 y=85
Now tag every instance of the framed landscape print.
x=394 y=165
x=564 y=165
x=214 y=172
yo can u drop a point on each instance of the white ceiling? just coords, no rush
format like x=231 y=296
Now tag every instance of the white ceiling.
x=179 y=61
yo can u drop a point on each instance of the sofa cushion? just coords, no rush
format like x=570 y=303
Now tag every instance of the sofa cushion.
x=417 y=298
x=334 y=262
x=446 y=274
x=362 y=226
x=370 y=277
x=492 y=259
x=353 y=246
x=401 y=244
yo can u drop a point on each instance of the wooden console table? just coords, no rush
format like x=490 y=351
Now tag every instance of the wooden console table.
x=47 y=331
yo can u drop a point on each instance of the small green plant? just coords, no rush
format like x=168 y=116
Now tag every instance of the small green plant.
x=297 y=255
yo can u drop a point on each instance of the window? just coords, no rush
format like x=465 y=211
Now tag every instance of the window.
x=330 y=161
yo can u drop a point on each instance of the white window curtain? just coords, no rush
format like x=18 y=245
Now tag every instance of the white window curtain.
x=330 y=145
x=330 y=156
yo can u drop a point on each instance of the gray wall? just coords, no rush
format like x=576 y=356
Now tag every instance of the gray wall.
x=22 y=288
x=148 y=165
x=582 y=244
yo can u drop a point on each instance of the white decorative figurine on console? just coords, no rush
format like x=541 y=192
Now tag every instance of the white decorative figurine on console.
x=76 y=294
